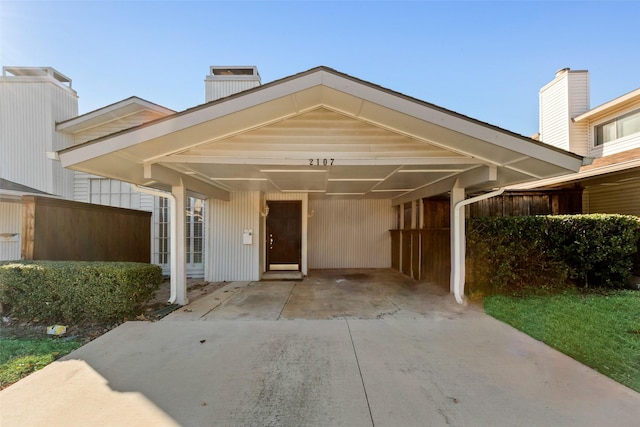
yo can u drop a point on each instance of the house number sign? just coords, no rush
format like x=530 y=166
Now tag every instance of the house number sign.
x=321 y=162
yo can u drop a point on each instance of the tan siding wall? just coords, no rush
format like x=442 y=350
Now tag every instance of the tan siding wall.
x=567 y=96
x=578 y=87
x=620 y=199
x=554 y=120
x=350 y=233
x=10 y=222
x=228 y=258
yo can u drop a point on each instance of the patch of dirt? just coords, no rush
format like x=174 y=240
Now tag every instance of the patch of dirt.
x=18 y=328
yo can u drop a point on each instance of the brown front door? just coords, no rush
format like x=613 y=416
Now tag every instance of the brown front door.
x=284 y=235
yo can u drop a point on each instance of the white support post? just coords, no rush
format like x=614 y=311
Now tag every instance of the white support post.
x=457 y=238
x=178 y=245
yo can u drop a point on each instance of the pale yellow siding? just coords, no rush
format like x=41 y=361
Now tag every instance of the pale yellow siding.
x=566 y=97
x=621 y=199
x=10 y=223
x=350 y=233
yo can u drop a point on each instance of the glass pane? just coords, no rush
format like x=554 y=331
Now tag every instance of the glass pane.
x=629 y=125
x=606 y=133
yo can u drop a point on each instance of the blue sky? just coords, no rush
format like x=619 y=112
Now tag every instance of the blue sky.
x=486 y=60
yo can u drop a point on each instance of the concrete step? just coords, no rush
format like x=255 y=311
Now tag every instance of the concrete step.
x=282 y=275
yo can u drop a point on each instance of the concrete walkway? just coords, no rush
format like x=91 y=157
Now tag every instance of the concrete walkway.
x=203 y=366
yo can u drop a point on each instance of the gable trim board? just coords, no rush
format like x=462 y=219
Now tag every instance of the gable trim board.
x=248 y=142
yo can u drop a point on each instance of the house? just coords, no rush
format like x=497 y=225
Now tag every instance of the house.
x=38 y=116
x=608 y=133
x=308 y=172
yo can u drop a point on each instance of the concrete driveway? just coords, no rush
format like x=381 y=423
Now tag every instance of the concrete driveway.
x=367 y=348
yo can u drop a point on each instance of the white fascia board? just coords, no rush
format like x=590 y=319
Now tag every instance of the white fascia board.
x=184 y=120
x=110 y=113
x=392 y=101
x=601 y=110
x=453 y=122
x=590 y=173
x=469 y=178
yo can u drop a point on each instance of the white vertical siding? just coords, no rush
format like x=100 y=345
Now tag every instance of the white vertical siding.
x=228 y=258
x=216 y=89
x=620 y=199
x=10 y=222
x=29 y=108
x=350 y=233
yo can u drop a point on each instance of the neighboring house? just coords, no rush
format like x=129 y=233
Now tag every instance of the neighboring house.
x=31 y=101
x=609 y=133
x=307 y=172
x=39 y=116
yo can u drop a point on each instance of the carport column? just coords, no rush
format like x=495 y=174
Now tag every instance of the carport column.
x=178 y=245
x=458 y=238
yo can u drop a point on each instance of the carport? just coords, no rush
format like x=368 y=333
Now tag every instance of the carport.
x=312 y=171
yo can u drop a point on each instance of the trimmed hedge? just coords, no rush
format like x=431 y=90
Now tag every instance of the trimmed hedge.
x=77 y=291
x=542 y=252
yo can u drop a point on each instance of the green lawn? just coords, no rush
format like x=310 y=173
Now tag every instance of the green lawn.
x=601 y=330
x=20 y=357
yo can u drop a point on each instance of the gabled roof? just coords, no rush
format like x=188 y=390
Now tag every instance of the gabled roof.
x=615 y=166
x=115 y=111
x=612 y=106
x=278 y=136
x=13 y=191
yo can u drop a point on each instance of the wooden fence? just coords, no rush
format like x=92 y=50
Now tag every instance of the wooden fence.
x=56 y=229
x=425 y=254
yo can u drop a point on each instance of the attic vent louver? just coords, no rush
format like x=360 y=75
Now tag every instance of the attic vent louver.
x=233 y=71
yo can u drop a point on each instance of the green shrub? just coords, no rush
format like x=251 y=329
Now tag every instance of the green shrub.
x=597 y=248
x=76 y=291
x=541 y=253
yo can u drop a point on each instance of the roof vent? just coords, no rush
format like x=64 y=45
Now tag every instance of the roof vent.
x=234 y=71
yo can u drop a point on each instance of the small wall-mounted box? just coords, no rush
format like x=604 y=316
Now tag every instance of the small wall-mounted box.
x=247 y=237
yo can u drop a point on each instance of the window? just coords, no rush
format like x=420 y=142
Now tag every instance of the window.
x=162 y=238
x=619 y=127
x=113 y=193
x=195 y=230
